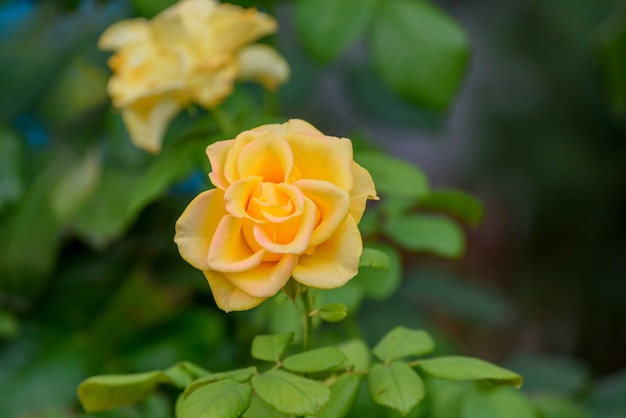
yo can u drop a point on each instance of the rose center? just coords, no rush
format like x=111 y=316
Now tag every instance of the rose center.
x=270 y=201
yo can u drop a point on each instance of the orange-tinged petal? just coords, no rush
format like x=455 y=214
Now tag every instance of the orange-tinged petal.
x=333 y=204
x=323 y=158
x=123 y=33
x=363 y=190
x=275 y=203
x=227 y=297
x=238 y=196
x=266 y=279
x=334 y=262
x=289 y=237
x=196 y=226
x=217 y=156
x=264 y=64
x=268 y=156
x=229 y=251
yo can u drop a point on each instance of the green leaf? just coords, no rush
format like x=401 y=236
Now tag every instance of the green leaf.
x=123 y=193
x=193 y=369
x=496 y=403
x=432 y=234
x=76 y=186
x=401 y=342
x=223 y=399
x=396 y=386
x=342 y=396
x=371 y=257
x=327 y=27
x=31 y=232
x=270 y=347
x=395 y=206
x=420 y=52
x=445 y=399
x=316 y=360
x=291 y=290
x=368 y=91
x=290 y=394
x=459 y=368
x=100 y=393
x=259 y=409
x=392 y=176
x=462 y=206
x=81 y=86
x=358 y=354
x=351 y=295
x=239 y=375
x=184 y=372
x=333 y=312
x=377 y=283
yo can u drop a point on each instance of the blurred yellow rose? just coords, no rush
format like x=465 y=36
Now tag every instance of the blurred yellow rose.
x=192 y=52
x=286 y=204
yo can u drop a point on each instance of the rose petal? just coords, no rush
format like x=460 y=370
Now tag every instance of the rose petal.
x=217 y=152
x=362 y=190
x=289 y=237
x=263 y=64
x=323 y=158
x=147 y=120
x=145 y=71
x=231 y=172
x=291 y=126
x=123 y=33
x=270 y=202
x=196 y=226
x=333 y=204
x=266 y=279
x=227 y=296
x=238 y=196
x=192 y=15
x=229 y=252
x=212 y=81
x=334 y=262
x=268 y=156
x=232 y=27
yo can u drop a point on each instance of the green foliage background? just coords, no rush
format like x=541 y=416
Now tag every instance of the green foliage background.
x=521 y=103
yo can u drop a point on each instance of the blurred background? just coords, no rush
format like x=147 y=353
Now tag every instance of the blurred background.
x=90 y=279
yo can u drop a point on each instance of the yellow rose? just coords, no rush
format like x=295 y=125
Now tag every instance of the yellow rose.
x=192 y=52
x=286 y=204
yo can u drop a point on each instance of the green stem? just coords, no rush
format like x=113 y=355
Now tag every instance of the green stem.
x=307 y=320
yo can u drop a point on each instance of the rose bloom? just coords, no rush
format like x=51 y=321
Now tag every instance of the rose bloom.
x=191 y=52
x=286 y=204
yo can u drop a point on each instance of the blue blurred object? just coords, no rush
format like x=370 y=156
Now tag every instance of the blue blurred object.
x=31 y=128
x=12 y=13
x=192 y=185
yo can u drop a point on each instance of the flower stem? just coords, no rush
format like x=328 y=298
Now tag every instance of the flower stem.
x=307 y=320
